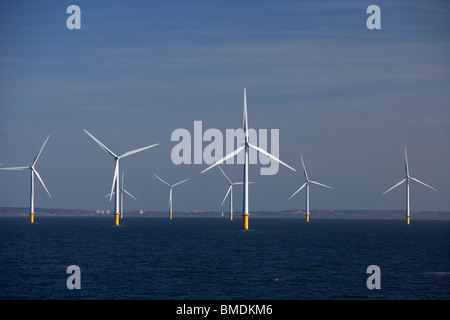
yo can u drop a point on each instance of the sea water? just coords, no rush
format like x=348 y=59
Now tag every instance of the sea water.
x=213 y=258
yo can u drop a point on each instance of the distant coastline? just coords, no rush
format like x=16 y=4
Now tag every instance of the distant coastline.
x=316 y=214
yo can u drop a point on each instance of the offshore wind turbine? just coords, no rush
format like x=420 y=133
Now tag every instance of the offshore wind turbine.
x=230 y=191
x=170 y=192
x=122 y=191
x=33 y=172
x=407 y=179
x=116 y=170
x=245 y=147
x=307 y=183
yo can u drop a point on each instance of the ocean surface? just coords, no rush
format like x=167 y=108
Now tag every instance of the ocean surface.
x=212 y=258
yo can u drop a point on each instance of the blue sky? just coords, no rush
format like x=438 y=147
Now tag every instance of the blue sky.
x=347 y=98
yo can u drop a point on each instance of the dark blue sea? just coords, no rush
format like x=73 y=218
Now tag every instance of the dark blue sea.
x=213 y=259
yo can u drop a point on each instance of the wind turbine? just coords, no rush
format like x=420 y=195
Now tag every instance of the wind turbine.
x=407 y=179
x=307 y=183
x=170 y=192
x=245 y=147
x=122 y=191
x=230 y=191
x=116 y=170
x=33 y=172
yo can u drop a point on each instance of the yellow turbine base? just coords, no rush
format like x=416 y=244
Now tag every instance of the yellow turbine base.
x=31 y=217
x=121 y=215
x=170 y=216
x=231 y=216
x=307 y=218
x=245 y=220
x=407 y=219
x=117 y=216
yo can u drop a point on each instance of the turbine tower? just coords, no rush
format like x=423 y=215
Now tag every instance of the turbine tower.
x=245 y=147
x=407 y=179
x=116 y=171
x=33 y=172
x=307 y=183
x=170 y=192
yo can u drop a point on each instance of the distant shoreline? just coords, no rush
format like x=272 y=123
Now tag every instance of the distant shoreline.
x=292 y=214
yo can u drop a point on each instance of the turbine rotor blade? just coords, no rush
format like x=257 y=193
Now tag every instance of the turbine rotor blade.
x=304 y=169
x=417 y=180
x=181 y=182
x=298 y=190
x=129 y=194
x=42 y=182
x=40 y=151
x=109 y=195
x=126 y=154
x=228 y=156
x=321 y=184
x=116 y=173
x=226 y=177
x=406 y=163
x=229 y=189
x=15 y=168
x=395 y=186
x=245 y=120
x=270 y=156
x=101 y=144
x=162 y=181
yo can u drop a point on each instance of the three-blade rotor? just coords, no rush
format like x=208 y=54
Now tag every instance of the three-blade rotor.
x=308 y=181
x=407 y=178
x=117 y=158
x=32 y=167
x=231 y=184
x=246 y=143
x=171 y=186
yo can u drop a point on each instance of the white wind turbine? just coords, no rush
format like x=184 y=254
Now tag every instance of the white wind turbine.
x=307 y=183
x=116 y=171
x=407 y=179
x=170 y=192
x=122 y=191
x=230 y=191
x=245 y=147
x=33 y=172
